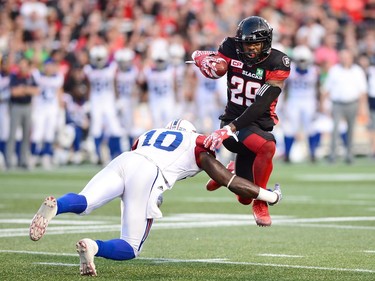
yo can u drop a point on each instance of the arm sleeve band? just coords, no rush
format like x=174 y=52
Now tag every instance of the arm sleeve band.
x=263 y=100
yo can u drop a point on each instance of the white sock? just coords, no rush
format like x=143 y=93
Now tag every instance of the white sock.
x=266 y=195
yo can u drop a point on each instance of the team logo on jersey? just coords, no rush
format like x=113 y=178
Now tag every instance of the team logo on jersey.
x=236 y=63
x=286 y=61
x=259 y=72
x=258 y=75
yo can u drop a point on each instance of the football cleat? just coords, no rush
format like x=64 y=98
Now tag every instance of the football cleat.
x=213 y=185
x=86 y=249
x=277 y=190
x=261 y=214
x=39 y=224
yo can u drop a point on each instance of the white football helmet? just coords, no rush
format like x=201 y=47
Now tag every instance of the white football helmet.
x=177 y=53
x=302 y=56
x=99 y=56
x=124 y=54
x=124 y=58
x=181 y=125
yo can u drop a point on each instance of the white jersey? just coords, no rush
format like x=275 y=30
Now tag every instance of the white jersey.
x=101 y=82
x=4 y=107
x=160 y=84
x=206 y=98
x=139 y=177
x=4 y=87
x=49 y=88
x=180 y=74
x=206 y=88
x=126 y=81
x=173 y=152
x=302 y=86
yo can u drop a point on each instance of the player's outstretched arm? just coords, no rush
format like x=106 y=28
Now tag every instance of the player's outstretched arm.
x=236 y=184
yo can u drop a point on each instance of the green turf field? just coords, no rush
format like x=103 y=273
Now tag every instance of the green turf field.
x=324 y=229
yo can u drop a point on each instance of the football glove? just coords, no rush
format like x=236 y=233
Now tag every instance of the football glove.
x=205 y=61
x=215 y=139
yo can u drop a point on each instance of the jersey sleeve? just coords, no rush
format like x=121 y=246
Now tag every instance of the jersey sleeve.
x=199 y=148
x=281 y=67
x=226 y=49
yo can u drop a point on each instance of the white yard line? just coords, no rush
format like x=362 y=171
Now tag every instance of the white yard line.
x=56 y=263
x=213 y=261
x=335 y=177
x=280 y=256
x=182 y=221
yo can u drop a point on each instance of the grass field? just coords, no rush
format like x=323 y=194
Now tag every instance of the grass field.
x=323 y=230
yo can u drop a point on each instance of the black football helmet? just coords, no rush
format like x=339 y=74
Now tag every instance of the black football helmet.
x=253 y=30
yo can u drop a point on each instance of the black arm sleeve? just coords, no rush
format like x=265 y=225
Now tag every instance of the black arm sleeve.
x=264 y=98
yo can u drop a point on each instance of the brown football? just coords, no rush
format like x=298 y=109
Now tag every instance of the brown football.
x=221 y=68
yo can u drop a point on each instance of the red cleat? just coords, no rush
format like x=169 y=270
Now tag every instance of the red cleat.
x=261 y=214
x=212 y=185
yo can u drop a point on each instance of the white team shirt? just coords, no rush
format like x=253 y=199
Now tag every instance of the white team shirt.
x=49 y=88
x=126 y=81
x=160 y=83
x=101 y=81
x=345 y=84
x=205 y=86
x=4 y=87
x=173 y=152
x=302 y=86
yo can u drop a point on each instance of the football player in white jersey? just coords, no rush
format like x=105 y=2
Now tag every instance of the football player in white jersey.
x=127 y=90
x=102 y=100
x=161 y=82
x=177 y=54
x=45 y=112
x=301 y=104
x=139 y=177
x=206 y=100
x=4 y=105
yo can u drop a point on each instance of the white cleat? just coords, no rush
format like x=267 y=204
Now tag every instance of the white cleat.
x=46 y=212
x=277 y=190
x=87 y=248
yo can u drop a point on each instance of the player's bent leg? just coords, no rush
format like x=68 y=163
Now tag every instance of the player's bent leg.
x=213 y=185
x=262 y=170
x=39 y=224
x=87 y=249
x=115 y=249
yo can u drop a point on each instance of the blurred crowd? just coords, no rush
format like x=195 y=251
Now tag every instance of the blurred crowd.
x=76 y=39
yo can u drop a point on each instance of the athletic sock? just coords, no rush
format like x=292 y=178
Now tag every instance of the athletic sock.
x=71 y=203
x=2 y=147
x=47 y=149
x=266 y=195
x=114 y=146
x=115 y=249
x=98 y=142
x=288 y=142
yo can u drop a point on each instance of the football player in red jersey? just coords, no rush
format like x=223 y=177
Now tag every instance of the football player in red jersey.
x=255 y=78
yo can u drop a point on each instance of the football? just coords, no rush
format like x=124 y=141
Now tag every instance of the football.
x=221 y=68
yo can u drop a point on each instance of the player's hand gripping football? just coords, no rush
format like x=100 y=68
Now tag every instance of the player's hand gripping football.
x=216 y=138
x=206 y=61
